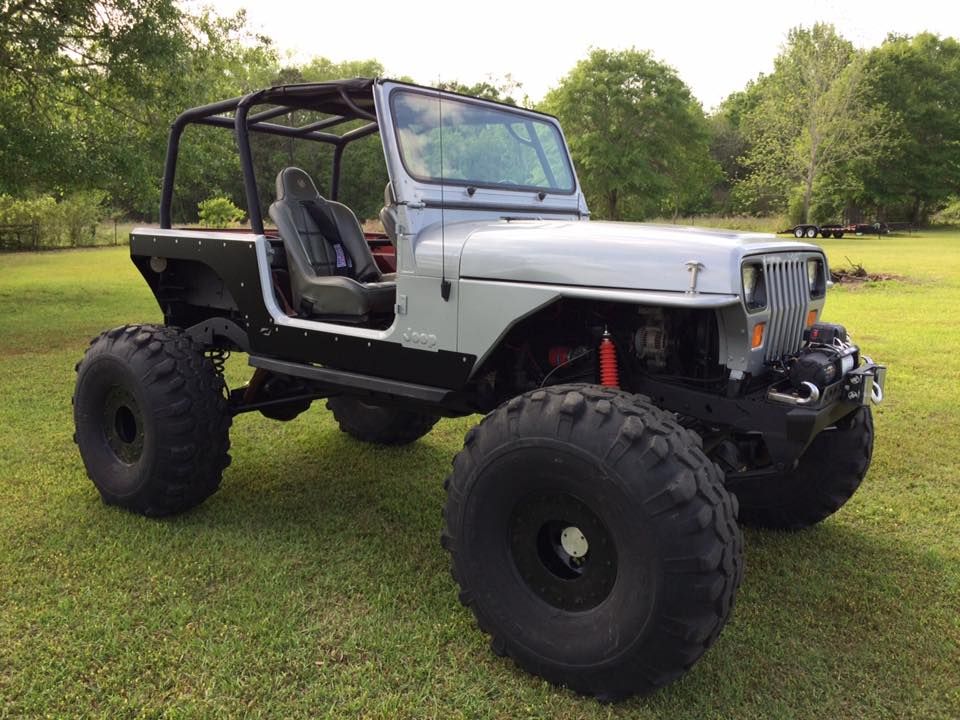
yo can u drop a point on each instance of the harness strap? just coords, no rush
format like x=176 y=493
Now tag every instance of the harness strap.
x=323 y=217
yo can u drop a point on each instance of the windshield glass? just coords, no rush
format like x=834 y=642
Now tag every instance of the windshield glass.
x=482 y=145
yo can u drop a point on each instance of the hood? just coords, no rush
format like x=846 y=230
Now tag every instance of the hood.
x=613 y=254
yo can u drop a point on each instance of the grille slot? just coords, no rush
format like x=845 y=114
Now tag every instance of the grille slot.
x=788 y=295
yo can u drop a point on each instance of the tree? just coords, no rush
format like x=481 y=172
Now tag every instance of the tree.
x=88 y=90
x=637 y=136
x=729 y=144
x=68 y=42
x=811 y=126
x=493 y=88
x=59 y=59
x=918 y=79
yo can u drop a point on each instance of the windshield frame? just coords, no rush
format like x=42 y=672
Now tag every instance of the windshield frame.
x=488 y=104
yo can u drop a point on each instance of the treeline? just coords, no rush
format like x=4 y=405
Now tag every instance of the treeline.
x=88 y=89
x=836 y=131
x=832 y=133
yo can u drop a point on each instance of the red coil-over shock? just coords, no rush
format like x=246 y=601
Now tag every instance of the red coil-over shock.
x=609 y=372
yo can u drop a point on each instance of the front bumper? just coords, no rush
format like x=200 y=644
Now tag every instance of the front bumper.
x=862 y=385
x=810 y=415
x=787 y=427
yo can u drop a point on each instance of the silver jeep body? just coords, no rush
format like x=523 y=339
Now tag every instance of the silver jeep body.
x=645 y=387
x=478 y=253
x=502 y=269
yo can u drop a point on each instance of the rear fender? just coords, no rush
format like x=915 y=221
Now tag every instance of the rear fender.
x=219 y=281
x=198 y=276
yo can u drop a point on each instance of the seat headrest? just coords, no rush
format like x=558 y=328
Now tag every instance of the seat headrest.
x=294 y=184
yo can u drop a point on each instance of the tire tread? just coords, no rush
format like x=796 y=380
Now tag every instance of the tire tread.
x=385 y=426
x=188 y=396
x=828 y=474
x=704 y=514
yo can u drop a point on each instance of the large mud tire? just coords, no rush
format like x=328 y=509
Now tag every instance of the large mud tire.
x=592 y=539
x=379 y=424
x=151 y=418
x=826 y=477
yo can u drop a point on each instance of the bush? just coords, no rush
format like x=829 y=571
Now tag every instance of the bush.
x=80 y=214
x=219 y=212
x=71 y=222
x=38 y=212
x=950 y=215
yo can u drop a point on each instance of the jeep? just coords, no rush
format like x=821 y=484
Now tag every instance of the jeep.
x=644 y=388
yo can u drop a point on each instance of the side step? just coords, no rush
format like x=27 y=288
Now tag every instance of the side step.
x=354 y=381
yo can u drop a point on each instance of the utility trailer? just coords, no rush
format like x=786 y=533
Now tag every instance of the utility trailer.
x=811 y=231
x=644 y=388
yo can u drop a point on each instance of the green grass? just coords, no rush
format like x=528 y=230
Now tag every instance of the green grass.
x=313 y=584
x=745 y=223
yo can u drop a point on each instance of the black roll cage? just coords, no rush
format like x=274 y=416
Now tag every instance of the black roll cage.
x=343 y=100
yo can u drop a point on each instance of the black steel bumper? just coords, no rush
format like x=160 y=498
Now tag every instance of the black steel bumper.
x=787 y=426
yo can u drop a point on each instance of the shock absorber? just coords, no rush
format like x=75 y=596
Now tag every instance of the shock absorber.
x=609 y=372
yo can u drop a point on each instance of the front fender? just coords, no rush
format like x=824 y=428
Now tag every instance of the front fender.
x=489 y=309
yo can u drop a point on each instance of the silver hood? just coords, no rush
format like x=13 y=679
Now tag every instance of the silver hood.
x=603 y=254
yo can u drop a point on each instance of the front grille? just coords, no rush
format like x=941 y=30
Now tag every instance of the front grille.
x=788 y=294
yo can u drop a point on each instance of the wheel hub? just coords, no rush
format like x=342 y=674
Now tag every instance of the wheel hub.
x=563 y=551
x=122 y=425
x=573 y=542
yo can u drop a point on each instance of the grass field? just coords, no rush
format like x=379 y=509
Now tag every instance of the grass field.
x=313 y=584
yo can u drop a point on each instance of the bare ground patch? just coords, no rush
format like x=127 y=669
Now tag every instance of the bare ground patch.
x=857 y=274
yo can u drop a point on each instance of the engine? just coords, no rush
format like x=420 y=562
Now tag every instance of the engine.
x=650 y=339
x=608 y=344
x=679 y=344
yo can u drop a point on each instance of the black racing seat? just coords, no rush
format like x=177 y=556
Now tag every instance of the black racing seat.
x=332 y=271
x=388 y=215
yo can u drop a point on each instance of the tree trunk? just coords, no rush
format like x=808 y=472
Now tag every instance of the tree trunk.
x=807 y=194
x=915 y=210
x=808 y=182
x=612 y=211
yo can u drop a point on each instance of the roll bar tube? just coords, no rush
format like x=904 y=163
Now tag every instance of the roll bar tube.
x=241 y=124
x=246 y=163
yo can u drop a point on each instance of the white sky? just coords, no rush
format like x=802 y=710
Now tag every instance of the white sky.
x=715 y=46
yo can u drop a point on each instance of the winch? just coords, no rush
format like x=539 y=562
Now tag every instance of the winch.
x=827 y=357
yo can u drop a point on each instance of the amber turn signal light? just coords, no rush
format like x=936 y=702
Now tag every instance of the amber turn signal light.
x=811 y=318
x=758 y=335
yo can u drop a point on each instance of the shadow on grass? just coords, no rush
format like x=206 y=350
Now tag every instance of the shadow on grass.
x=830 y=609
